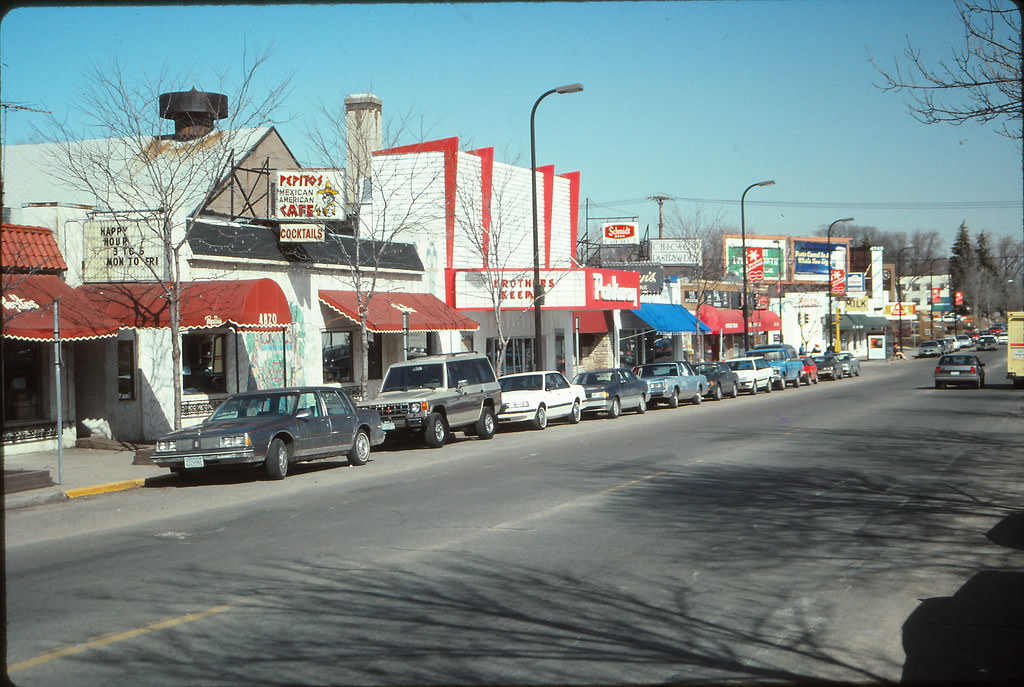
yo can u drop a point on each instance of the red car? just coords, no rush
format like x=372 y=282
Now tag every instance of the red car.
x=810 y=373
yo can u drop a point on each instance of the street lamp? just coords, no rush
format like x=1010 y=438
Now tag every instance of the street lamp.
x=743 y=240
x=828 y=251
x=538 y=291
x=778 y=285
x=899 y=295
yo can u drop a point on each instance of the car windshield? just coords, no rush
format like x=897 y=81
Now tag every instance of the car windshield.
x=957 y=360
x=769 y=355
x=594 y=378
x=522 y=383
x=822 y=360
x=705 y=368
x=741 y=364
x=253 y=406
x=405 y=377
x=657 y=371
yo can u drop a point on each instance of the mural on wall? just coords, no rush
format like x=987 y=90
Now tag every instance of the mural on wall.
x=270 y=353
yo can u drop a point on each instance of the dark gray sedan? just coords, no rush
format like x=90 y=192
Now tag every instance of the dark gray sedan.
x=612 y=390
x=829 y=367
x=275 y=428
x=959 y=369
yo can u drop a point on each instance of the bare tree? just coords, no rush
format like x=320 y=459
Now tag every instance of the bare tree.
x=980 y=81
x=159 y=183
x=399 y=210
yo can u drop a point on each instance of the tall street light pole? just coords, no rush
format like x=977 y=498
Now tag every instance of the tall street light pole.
x=828 y=251
x=538 y=291
x=899 y=295
x=743 y=242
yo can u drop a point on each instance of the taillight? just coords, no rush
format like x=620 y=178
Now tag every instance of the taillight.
x=938 y=370
x=973 y=370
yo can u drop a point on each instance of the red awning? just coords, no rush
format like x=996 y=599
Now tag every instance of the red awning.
x=764 y=321
x=590 y=321
x=28 y=315
x=427 y=313
x=721 y=320
x=240 y=303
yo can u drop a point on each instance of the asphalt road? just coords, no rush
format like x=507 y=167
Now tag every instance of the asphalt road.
x=862 y=530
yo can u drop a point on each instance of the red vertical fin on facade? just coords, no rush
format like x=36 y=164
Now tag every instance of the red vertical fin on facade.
x=450 y=148
x=574 y=213
x=486 y=193
x=548 y=172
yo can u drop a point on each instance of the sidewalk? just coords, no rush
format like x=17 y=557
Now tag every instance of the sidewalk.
x=105 y=467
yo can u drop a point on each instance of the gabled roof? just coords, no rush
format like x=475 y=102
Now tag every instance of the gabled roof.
x=30 y=249
x=33 y=173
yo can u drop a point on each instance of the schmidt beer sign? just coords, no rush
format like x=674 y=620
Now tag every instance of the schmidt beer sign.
x=621 y=233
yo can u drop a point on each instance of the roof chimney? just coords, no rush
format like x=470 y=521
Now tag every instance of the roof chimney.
x=363 y=137
x=193 y=112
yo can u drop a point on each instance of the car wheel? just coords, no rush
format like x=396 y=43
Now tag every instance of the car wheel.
x=856 y=372
x=697 y=397
x=360 y=451
x=486 y=426
x=717 y=395
x=277 y=459
x=616 y=408
x=768 y=387
x=782 y=385
x=435 y=433
x=735 y=391
x=641 y=407
x=796 y=383
x=540 y=419
x=814 y=380
x=576 y=413
x=673 y=400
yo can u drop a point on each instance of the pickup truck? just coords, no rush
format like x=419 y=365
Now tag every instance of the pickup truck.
x=784 y=359
x=672 y=382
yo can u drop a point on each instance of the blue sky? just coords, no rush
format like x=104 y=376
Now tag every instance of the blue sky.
x=695 y=100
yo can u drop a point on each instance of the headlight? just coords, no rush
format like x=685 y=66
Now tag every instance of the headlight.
x=656 y=385
x=518 y=404
x=418 y=407
x=165 y=446
x=235 y=441
x=599 y=394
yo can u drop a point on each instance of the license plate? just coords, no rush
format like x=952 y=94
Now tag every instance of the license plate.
x=194 y=462
x=954 y=372
x=387 y=425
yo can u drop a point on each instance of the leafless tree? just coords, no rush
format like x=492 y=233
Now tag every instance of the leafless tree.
x=159 y=182
x=980 y=81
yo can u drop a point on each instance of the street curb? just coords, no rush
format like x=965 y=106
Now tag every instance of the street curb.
x=105 y=488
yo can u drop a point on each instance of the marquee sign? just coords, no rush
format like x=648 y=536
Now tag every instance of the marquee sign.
x=620 y=233
x=122 y=250
x=675 y=251
x=567 y=289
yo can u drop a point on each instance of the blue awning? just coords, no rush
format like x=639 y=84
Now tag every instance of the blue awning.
x=669 y=318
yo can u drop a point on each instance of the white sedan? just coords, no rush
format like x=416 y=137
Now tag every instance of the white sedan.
x=537 y=397
x=753 y=374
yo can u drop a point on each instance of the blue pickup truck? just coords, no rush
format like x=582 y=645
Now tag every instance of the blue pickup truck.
x=784 y=358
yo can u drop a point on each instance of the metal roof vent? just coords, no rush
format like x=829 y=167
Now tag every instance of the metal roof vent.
x=193 y=112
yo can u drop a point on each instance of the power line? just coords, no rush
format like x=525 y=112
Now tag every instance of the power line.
x=889 y=205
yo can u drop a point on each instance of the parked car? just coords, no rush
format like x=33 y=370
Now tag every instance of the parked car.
x=986 y=342
x=964 y=340
x=754 y=374
x=274 y=428
x=671 y=382
x=959 y=368
x=930 y=349
x=828 y=367
x=722 y=380
x=810 y=375
x=785 y=360
x=950 y=343
x=537 y=397
x=432 y=396
x=850 y=363
x=611 y=390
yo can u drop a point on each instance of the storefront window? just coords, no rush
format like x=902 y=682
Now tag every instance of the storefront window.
x=23 y=375
x=202 y=363
x=337 y=357
x=375 y=357
x=518 y=354
x=126 y=370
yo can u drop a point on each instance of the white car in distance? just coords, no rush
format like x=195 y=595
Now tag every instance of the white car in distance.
x=754 y=374
x=537 y=397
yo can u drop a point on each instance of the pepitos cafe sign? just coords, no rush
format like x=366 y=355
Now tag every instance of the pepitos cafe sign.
x=568 y=289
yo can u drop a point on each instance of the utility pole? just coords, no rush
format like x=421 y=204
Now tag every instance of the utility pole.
x=660 y=200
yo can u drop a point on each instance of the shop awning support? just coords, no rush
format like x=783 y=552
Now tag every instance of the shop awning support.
x=60 y=399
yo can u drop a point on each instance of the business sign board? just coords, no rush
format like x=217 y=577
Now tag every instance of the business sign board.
x=900 y=311
x=838 y=282
x=652 y=277
x=811 y=259
x=308 y=194
x=855 y=281
x=675 y=251
x=772 y=256
x=620 y=234
x=570 y=289
x=755 y=264
x=122 y=250
x=301 y=233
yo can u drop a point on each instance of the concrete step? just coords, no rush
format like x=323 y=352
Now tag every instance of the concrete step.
x=24 y=480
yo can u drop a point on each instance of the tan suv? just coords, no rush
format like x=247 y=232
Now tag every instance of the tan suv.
x=439 y=394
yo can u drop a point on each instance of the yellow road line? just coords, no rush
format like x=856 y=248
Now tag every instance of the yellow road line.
x=632 y=482
x=104 y=488
x=111 y=638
